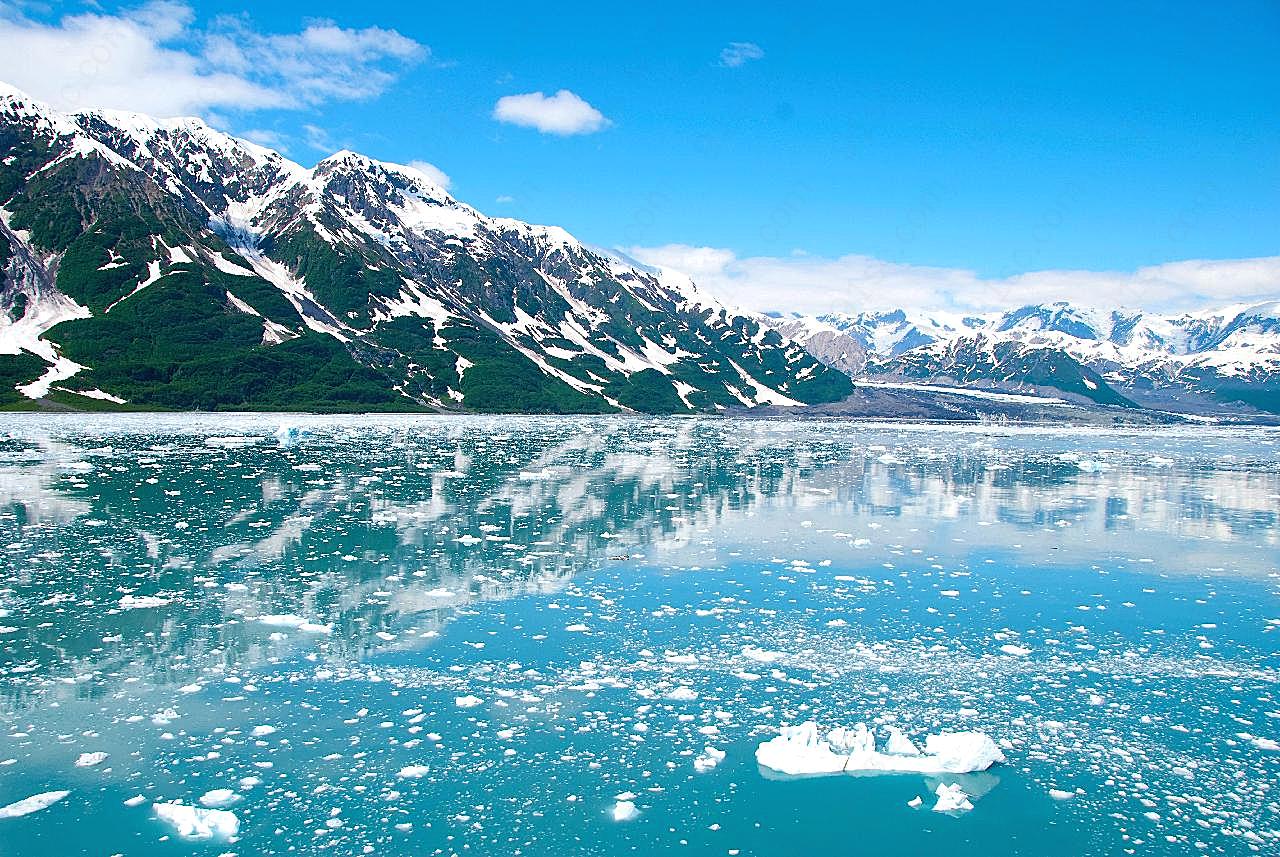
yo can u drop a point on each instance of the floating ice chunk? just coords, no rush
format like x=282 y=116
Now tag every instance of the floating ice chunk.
x=289 y=620
x=219 y=798
x=952 y=798
x=1265 y=744
x=577 y=628
x=1016 y=651
x=196 y=823
x=683 y=694
x=136 y=800
x=35 y=803
x=915 y=801
x=262 y=731
x=88 y=760
x=625 y=810
x=467 y=701
x=413 y=772
x=708 y=759
x=764 y=656
x=142 y=602
x=1059 y=794
x=802 y=750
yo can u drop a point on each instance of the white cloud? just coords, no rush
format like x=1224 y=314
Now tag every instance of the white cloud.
x=318 y=138
x=563 y=113
x=153 y=59
x=811 y=284
x=740 y=53
x=266 y=137
x=438 y=176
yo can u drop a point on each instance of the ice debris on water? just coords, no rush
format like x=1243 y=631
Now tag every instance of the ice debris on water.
x=708 y=759
x=952 y=798
x=413 y=772
x=195 y=823
x=802 y=750
x=142 y=602
x=35 y=803
x=88 y=760
x=625 y=810
x=219 y=798
x=289 y=620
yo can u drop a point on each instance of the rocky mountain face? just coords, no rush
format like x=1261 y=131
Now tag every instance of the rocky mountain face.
x=164 y=264
x=1224 y=360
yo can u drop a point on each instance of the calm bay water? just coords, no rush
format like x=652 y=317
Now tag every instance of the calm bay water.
x=432 y=636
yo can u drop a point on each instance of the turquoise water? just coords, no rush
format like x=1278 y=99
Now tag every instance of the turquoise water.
x=585 y=588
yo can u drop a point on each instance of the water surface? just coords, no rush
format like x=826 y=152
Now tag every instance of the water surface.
x=420 y=636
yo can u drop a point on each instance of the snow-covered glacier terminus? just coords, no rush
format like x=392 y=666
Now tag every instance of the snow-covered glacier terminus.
x=165 y=264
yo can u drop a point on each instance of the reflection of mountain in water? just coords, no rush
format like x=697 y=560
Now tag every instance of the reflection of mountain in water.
x=376 y=532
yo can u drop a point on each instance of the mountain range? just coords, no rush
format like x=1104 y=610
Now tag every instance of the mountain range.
x=161 y=264
x=1223 y=361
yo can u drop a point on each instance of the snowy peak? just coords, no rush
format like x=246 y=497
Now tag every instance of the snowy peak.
x=1225 y=356
x=1058 y=317
x=357 y=283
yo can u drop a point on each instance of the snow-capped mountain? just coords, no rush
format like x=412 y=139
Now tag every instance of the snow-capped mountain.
x=165 y=264
x=1224 y=358
x=848 y=341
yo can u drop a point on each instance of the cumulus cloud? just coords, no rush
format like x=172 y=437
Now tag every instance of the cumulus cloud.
x=812 y=284
x=437 y=176
x=154 y=59
x=564 y=113
x=736 y=54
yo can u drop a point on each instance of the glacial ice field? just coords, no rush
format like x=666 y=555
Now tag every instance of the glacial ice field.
x=221 y=635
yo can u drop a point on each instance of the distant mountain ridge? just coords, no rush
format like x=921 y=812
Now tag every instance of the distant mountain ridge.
x=165 y=264
x=1221 y=359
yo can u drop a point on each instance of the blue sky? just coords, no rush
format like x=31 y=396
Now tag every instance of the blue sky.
x=990 y=138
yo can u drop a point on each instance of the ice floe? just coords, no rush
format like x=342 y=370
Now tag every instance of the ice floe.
x=803 y=750
x=193 y=822
x=35 y=803
x=708 y=759
x=952 y=798
x=219 y=798
x=625 y=810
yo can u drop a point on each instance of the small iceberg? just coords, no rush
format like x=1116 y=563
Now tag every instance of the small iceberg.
x=952 y=798
x=803 y=751
x=625 y=810
x=35 y=803
x=219 y=798
x=89 y=760
x=196 y=823
x=708 y=759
